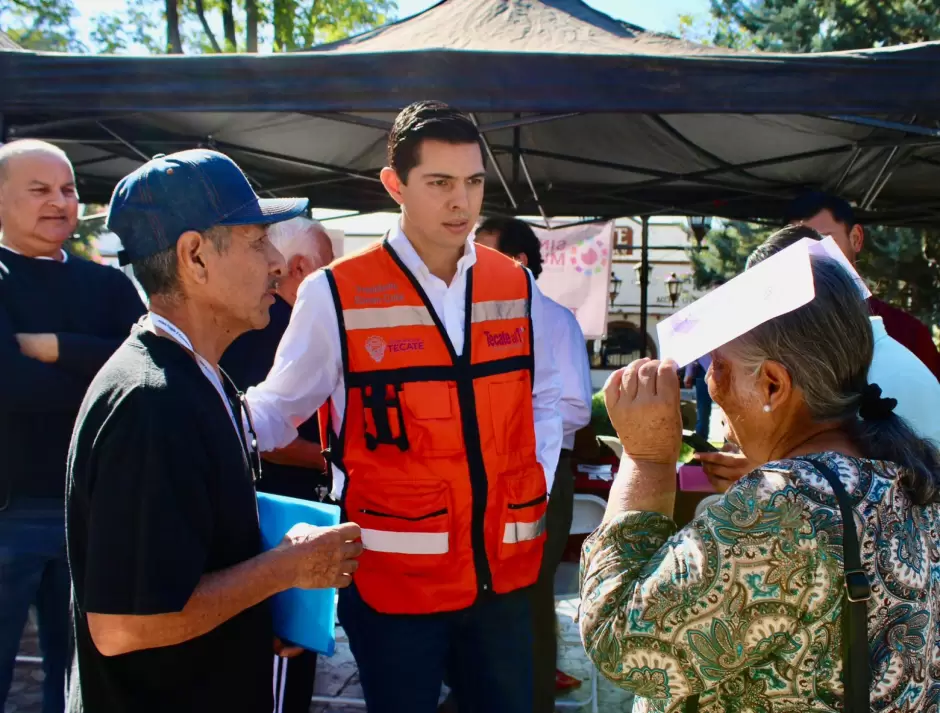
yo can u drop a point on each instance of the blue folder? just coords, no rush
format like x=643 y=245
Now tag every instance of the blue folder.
x=304 y=617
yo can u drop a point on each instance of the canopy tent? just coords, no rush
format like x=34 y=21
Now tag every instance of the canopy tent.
x=582 y=114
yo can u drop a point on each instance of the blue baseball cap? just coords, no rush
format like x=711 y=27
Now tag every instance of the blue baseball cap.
x=190 y=190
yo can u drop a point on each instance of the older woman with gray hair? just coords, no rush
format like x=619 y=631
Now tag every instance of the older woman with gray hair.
x=766 y=602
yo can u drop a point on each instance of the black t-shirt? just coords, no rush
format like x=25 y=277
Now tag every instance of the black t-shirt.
x=159 y=494
x=247 y=361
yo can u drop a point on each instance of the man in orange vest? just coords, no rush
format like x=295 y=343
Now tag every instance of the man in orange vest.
x=431 y=360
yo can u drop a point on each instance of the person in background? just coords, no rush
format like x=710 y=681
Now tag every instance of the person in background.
x=516 y=239
x=433 y=357
x=170 y=582
x=299 y=469
x=695 y=377
x=899 y=373
x=749 y=606
x=830 y=215
x=61 y=317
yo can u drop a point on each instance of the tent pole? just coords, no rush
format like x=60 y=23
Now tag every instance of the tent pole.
x=878 y=184
x=366 y=121
x=535 y=195
x=870 y=121
x=496 y=168
x=516 y=145
x=526 y=121
x=644 y=284
x=850 y=164
x=23 y=130
x=126 y=143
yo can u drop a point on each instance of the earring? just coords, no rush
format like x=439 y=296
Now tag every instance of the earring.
x=767 y=408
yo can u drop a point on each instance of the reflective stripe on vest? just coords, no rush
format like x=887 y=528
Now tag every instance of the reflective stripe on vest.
x=379 y=317
x=517 y=532
x=499 y=309
x=406 y=543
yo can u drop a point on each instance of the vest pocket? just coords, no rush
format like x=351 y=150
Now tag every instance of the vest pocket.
x=405 y=529
x=510 y=400
x=432 y=418
x=522 y=520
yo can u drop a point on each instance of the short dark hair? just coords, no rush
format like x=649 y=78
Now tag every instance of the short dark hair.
x=813 y=203
x=780 y=240
x=427 y=120
x=516 y=237
x=158 y=274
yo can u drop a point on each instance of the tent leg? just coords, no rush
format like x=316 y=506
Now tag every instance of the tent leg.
x=644 y=285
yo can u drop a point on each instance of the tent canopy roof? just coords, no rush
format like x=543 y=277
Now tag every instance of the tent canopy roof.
x=592 y=116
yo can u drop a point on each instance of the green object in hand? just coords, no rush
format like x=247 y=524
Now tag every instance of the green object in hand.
x=686 y=453
x=599 y=418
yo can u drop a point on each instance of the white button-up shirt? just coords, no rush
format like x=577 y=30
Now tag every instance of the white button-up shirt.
x=571 y=358
x=308 y=367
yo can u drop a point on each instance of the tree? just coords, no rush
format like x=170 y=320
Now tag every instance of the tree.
x=42 y=25
x=214 y=26
x=822 y=25
x=725 y=252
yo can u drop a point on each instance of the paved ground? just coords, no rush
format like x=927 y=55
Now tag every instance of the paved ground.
x=337 y=677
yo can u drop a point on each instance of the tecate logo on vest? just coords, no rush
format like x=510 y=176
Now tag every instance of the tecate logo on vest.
x=377 y=347
x=504 y=339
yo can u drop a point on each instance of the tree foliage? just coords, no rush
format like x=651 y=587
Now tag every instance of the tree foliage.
x=822 y=25
x=42 y=25
x=213 y=26
x=725 y=252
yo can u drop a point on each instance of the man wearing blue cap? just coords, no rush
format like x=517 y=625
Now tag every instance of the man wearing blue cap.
x=163 y=540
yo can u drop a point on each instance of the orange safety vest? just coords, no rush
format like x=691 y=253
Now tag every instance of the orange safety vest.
x=438 y=448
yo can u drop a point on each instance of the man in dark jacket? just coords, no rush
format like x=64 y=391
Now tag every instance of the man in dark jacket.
x=61 y=318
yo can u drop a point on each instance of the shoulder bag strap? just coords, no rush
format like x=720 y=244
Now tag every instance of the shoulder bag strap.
x=856 y=659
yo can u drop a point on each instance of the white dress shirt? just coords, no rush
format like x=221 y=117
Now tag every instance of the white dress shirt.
x=308 y=367
x=571 y=358
x=902 y=376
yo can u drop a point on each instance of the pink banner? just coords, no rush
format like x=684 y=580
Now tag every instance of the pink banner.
x=576 y=272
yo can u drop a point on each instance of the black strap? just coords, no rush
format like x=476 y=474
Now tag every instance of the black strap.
x=856 y=659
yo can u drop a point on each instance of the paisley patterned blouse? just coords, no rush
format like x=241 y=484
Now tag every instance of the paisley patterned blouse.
x=743 y=606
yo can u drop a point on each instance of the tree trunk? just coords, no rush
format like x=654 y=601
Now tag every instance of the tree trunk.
x=201 y=12
x=251 y=25
x=174 y=44
x=282 y=18
x=228 y=26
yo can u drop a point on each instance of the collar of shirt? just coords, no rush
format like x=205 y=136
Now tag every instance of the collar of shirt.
x=878 y=328
x=65 y=255
x=409 y=256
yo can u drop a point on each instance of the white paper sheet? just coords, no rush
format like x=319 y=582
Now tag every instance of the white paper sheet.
x=776 y=286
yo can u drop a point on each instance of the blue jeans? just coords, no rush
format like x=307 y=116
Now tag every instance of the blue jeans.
x=703 y=407
x=34 y=571
x=487 y=650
